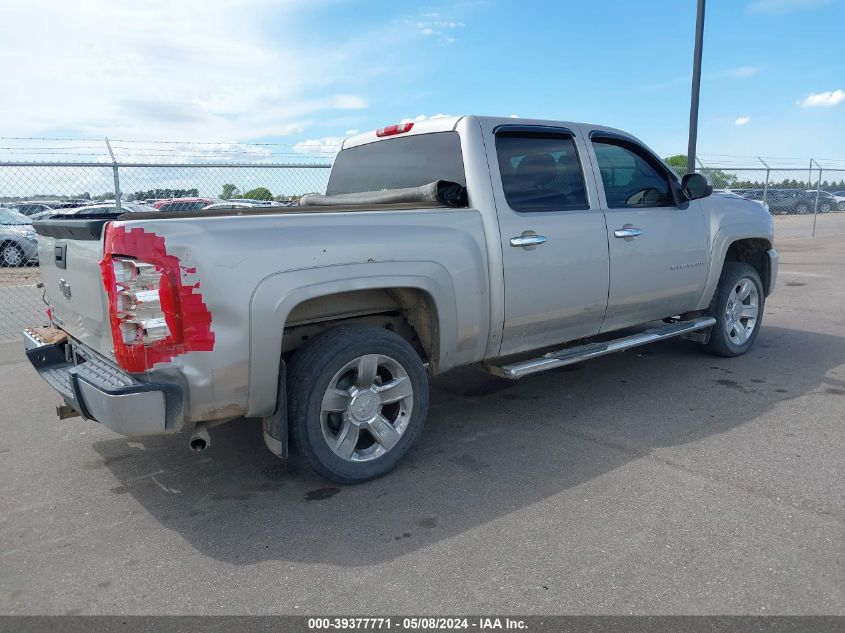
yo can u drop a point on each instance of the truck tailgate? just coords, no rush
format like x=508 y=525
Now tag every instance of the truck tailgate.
x=70 y=251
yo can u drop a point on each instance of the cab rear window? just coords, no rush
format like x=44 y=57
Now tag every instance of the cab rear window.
x=409 y=161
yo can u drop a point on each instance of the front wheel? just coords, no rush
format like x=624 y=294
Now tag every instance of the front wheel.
x=358 y=400
x=737 y=307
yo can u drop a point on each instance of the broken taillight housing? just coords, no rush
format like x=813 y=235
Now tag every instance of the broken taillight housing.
x=154 y=316
x=138 y=302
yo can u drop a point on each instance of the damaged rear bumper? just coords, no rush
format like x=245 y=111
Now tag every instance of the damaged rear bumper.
x=99 y=390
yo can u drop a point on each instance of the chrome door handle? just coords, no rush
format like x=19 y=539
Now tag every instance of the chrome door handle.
x=528 y=240
x=628 y=231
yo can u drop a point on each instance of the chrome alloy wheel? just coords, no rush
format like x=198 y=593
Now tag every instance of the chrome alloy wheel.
x=12 y=255
x=742 y=311
x=366 y=408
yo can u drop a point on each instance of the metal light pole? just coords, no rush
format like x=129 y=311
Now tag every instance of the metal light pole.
x=696 y=87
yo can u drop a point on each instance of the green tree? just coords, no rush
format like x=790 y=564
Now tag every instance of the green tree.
x=229 y=191
x=678 y=163
x=259 y=193
x=720 y=178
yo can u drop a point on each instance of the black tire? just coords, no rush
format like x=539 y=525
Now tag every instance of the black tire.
x=720 y=343
x=840 y=206
x=802 y=208
x=824 y=207
x=313 y=369
x=12 y=255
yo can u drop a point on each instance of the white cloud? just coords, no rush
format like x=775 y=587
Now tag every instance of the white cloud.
x=783 y=7
x=424 y=117
x=319 y=147
x=436 y=27
x=193 y=69
x=743 y=120
x=820 y=99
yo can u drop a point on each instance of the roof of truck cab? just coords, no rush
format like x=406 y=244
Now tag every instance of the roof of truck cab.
x=449 y=123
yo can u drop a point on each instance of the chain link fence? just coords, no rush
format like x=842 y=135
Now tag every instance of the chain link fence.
x=29 y=191
x=809 y=201
x=804 y=201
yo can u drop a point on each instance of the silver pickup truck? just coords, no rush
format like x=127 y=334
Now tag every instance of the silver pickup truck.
x=513 y=245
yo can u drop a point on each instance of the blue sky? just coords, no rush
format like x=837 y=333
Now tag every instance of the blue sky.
x=308 y=72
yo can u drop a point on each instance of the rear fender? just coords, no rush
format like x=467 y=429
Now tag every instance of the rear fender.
x=277 y=295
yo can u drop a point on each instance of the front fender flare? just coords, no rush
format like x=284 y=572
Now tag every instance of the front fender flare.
x=722 y=241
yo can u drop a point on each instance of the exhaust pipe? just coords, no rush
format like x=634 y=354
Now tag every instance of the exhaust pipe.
x=200 y=439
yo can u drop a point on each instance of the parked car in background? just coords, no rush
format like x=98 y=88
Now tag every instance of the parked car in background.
x=793 y=201
x=69 y=204
x=92 y=209
x=829 y=201
x=31 y=208
x=231 y=204
x=183 y=204
x=107 y=207
x=252 y=202
x=18 y=240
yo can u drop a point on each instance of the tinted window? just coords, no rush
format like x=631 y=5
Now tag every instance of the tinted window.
x=540 y=172
x=183 y=206
x=630 y=176
x=29 y=209
x=409 y=161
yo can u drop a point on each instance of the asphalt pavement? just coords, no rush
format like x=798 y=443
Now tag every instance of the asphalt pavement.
x=661 y=480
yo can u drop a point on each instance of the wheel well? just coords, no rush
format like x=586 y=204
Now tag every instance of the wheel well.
x=752 y=251
x=409 y=312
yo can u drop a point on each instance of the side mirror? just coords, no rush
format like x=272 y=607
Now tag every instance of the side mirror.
x=696 y=186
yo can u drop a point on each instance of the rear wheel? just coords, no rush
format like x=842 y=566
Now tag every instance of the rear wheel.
x=824 y=207
x=358 y=400
x=737 y=307
x=11 y=255
x=802 y=207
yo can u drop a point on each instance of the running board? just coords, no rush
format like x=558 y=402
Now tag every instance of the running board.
x=572 y=355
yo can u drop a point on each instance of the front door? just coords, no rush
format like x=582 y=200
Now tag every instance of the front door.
x=658 y=251
x=554 y=239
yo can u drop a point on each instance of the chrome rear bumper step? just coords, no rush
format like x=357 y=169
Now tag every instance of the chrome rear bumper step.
x=572 y=355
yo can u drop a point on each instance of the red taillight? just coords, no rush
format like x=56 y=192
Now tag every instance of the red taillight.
x=390 y=130
x=153 y=315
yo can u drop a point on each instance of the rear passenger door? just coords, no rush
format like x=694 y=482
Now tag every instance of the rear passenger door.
x=658 y=250
x=553 y=236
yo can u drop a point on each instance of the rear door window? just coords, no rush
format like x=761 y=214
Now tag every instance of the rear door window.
x=540 y=171
x=409 y=161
